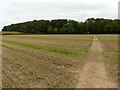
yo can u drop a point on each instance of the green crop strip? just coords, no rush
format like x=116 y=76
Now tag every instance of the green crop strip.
x=59 y=50
x=59 y=39
x=80 y=40
x=105 y=40
x=12 y=33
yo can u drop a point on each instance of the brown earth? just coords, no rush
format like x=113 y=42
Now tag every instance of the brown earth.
x=94 y=74
x=27 y=67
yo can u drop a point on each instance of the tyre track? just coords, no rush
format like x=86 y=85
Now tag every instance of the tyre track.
x=94 y=74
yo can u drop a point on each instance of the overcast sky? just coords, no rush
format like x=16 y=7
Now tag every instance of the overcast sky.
x=15 y=11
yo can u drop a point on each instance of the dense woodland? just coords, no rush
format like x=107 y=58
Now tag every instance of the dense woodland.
x=64 y=26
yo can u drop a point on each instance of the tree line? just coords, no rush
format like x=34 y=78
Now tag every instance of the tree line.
x=64 y=26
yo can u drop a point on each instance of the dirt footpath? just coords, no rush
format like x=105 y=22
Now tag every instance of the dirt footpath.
x=94 y=74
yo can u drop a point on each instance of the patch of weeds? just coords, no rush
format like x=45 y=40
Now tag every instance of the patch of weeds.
x=107 y=40
x=62 y=39
x=5 y=84
x=112 y=57
x=12 y=33
x=111 y=62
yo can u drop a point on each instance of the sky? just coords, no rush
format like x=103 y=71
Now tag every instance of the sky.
x=16 y=11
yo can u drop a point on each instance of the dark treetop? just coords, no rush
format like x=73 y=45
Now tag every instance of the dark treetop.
x=64 y=26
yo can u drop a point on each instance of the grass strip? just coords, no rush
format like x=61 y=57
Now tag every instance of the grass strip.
x=59 y=50
x=105 y=40
x=81 y=40
x=60 y=39
x=11 y=33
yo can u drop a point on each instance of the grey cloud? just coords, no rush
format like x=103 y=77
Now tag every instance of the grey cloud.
x=13 y=11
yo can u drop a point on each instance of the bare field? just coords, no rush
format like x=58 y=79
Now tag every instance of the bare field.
x=43 y=61
x=48 y=61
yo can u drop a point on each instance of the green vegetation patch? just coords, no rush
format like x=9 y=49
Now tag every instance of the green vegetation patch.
x=60 y=39
x=63 y=39
x=59 y=50
x=11 y=33
x=106 y=40
x=112 y=57
x=111 y=62
x=64 y=26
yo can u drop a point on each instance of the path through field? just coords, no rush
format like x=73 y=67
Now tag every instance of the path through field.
x=94 y=74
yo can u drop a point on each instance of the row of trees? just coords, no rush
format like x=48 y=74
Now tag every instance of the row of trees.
x=64 y=26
